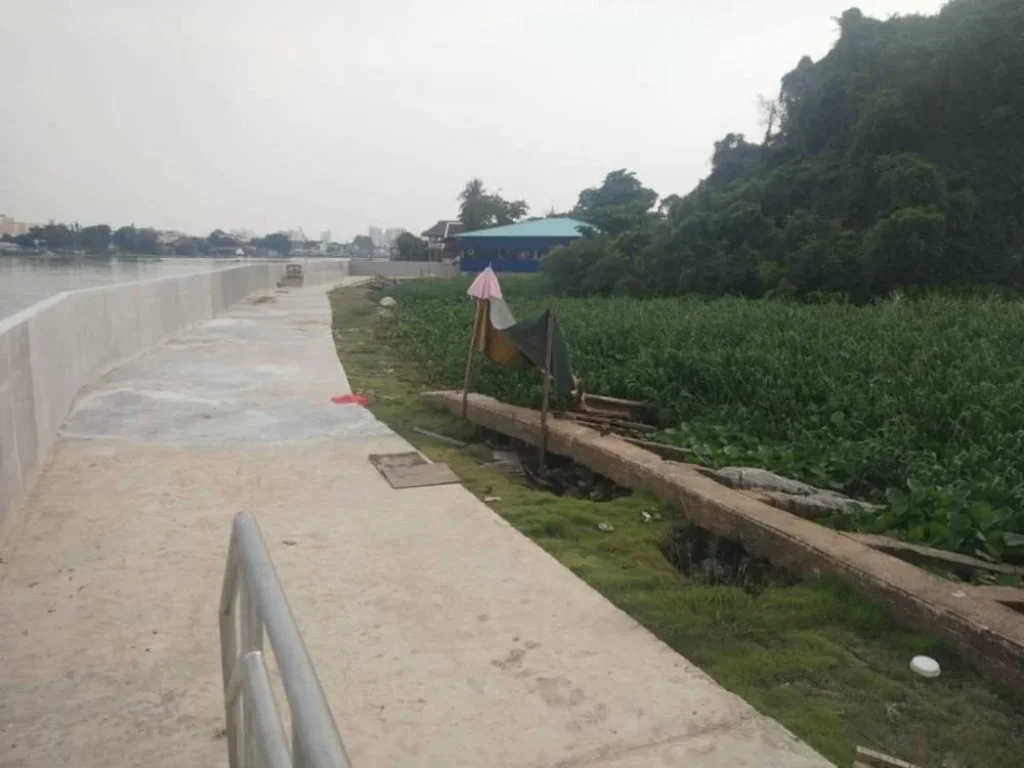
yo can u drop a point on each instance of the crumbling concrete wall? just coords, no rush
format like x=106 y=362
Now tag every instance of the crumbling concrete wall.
x=989 y=634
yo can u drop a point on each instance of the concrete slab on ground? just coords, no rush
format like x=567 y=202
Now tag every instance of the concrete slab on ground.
x=441 y=635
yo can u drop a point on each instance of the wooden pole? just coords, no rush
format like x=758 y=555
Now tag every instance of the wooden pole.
x=469 y=358
x=546 y=387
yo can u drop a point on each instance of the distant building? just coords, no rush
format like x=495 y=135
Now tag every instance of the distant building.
x=441 y=243
x=242 y=235
x=10 y=226
x=170 y=237
x=516 y=247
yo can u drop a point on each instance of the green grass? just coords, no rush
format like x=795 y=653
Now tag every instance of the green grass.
x=828 y=664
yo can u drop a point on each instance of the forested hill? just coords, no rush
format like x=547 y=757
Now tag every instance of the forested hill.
x=896 y=161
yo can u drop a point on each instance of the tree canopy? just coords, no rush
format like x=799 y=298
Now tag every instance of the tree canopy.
x=479 y=208
x=363 y=244
x=894 y=162
x=134 y=240
x=279 y=242
x=410 y=247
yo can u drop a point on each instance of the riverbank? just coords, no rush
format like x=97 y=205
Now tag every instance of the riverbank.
x=440 y=636
x=829 y=665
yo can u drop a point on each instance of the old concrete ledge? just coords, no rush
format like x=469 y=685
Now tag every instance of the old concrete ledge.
x=989 y=634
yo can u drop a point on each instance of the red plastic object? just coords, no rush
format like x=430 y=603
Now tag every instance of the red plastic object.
x=350 y=400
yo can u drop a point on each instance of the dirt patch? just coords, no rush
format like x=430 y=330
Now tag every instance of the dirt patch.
x=559 y=475
x=713 y=561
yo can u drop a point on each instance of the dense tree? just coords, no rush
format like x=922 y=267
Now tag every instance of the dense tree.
x=221 y=239
x=893 y=162
x=363 y=244
x=410 y=247
x=619 y=204
x=133 y=240
x=28 y=239
x=95 y=239
x=192 y=246
x=479 y=208
x=279 y=242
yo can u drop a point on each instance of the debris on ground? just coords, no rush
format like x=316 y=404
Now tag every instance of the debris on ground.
x=440 y=438
x=379 y=281
x=506 y=462
x=605 y=527
x=790 y=495
x=751 y=478
x=481 y=452
x=563 y=477
x=350 y=400
x=711 y=560
x=925 y=666
x=869 y=758
x=491 y=499
x=387 y=301
x=410 y=469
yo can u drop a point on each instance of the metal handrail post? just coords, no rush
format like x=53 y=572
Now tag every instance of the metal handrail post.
x=262 y=606
x=229 y=652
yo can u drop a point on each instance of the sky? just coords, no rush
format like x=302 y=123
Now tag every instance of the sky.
x=343 y=114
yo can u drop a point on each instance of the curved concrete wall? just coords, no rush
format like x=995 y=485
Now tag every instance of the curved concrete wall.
x=51 y=350
x=407 y=269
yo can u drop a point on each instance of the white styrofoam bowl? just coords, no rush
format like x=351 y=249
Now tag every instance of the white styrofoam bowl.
x=925 y=666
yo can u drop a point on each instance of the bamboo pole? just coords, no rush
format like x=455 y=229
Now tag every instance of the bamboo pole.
x=546 y=372
x=469 y=358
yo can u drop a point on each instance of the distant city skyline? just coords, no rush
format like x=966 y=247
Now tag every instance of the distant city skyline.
x=10 y=225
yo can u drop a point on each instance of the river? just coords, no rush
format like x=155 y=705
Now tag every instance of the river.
x=24 y=281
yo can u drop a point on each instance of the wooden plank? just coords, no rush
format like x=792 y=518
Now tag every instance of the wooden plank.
x=671 y=452
x=584 y=402
x=440 y=438
x=917 y=554
x=606 y=421
x=871 y=759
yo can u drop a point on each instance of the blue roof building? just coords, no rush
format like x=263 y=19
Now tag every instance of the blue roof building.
x=516 y=247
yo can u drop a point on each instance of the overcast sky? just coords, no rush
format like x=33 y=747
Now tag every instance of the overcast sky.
x=339 y=114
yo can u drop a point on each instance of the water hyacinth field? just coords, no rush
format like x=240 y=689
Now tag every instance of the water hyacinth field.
x=917 y=405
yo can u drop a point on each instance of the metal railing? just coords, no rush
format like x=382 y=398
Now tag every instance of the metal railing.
x=253 y=595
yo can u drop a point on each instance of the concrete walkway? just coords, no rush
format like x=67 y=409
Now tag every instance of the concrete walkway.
x=442 y=636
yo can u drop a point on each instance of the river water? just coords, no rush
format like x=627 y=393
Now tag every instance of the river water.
x=24 y=281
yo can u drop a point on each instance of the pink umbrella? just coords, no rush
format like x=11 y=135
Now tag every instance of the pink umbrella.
x=485 y=286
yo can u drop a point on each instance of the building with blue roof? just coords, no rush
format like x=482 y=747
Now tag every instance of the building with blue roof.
x=516 y=247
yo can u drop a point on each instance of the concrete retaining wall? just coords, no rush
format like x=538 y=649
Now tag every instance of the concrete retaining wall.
x=988 y=633
x=385 y=268
x=51 y=350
